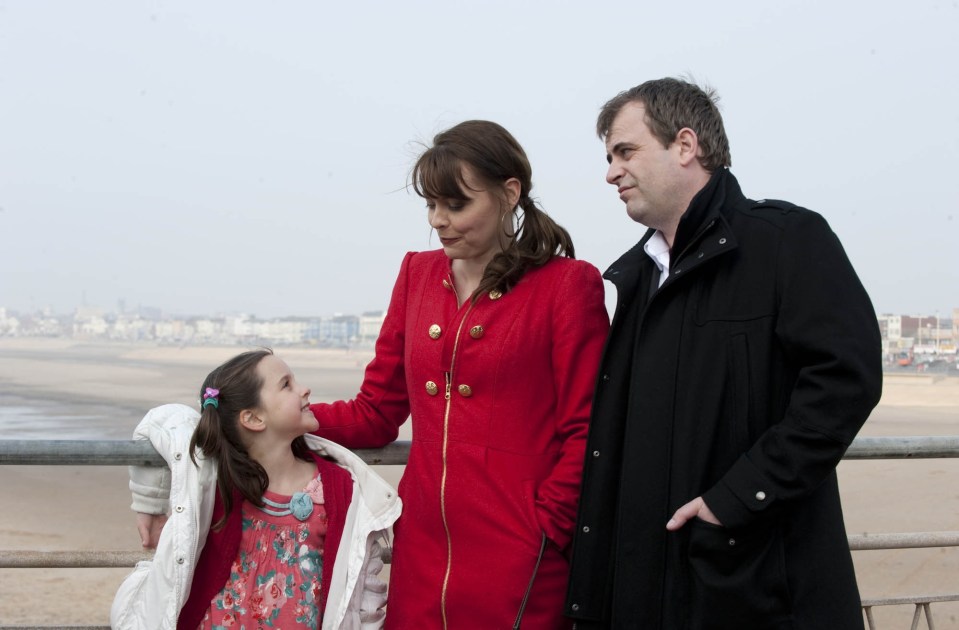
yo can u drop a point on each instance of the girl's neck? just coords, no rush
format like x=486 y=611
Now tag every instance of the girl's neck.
x=286 y=472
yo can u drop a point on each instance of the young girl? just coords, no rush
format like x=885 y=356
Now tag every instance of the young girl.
x=268 y=527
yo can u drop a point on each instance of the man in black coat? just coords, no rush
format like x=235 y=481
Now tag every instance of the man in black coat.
x=743 y=358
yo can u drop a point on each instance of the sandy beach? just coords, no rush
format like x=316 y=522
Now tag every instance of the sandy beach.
x=104 y=389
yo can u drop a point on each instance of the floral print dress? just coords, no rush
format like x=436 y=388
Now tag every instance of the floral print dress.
x=275 y=580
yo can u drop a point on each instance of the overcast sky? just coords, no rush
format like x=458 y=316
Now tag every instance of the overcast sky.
x=227 y=157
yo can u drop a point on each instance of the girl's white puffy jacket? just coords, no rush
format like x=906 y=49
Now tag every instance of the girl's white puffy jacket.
x=152 y=596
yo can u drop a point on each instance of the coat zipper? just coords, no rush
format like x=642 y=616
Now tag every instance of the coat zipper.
x=446 y=426
x=532 y=578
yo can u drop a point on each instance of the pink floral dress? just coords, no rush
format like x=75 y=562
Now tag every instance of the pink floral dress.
x=275 y=580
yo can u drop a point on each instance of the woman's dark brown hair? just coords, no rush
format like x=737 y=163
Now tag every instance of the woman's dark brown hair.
x=217 y=434
x=494 y=156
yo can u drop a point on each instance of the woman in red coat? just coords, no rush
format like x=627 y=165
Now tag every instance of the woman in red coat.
x=491 y=345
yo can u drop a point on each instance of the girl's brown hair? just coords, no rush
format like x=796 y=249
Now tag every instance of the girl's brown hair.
x=217 y=434
x=494 y=156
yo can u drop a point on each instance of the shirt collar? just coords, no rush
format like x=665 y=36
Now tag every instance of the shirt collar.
x=657 y=248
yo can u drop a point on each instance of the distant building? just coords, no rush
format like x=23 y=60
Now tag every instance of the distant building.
x=9 y=325
x=208 y=330
x=370 y=325
x=909 y=339
x=89 y=323
x=173 y=331
x=339 y=331
x=128 y=327
x=893 y=343
x=285 y=331
x=922 y=328
x=282 y=331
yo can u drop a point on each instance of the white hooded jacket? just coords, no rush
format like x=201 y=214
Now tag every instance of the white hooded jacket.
x=151 y=597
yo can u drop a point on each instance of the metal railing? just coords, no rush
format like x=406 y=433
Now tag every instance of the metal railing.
x=141 y=453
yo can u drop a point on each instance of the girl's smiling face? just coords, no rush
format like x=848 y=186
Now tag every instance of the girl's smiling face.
x=284 y=403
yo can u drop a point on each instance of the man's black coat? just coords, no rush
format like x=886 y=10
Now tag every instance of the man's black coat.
x=743 y=379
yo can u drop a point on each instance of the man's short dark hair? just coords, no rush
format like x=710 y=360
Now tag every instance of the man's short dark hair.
x=670 y=105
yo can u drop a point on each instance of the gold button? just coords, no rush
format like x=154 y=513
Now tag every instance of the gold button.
x=465 y=391
x=446 y=284
x=435 y=331
x=495 y=295
x=431 y=388
x=476 y=332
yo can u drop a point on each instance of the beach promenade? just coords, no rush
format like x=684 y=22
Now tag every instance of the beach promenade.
x=100 y=391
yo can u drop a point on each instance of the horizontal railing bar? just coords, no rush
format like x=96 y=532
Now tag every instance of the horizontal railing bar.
x=24 y=559
x=141 y=452
x=137 y=453
x=79 y=453
x=905 y=447
x=29 y=559
x=914 y=599
x=910 y=540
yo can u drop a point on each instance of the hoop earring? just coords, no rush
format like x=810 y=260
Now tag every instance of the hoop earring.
x=509 y=231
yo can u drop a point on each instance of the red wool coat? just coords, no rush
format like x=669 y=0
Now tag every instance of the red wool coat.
x=499 y=393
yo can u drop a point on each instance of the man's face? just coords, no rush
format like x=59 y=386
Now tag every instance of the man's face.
x=645 y=173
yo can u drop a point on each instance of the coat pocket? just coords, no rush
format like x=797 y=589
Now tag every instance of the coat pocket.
x=131 y=609
x=529 y=509
x=738 y=578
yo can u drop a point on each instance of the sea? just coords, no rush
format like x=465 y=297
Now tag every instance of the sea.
x=29 y=418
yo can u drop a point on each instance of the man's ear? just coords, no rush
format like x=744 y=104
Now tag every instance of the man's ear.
x=251 y=421
x=688 y=144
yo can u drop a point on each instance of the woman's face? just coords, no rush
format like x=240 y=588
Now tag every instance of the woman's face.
x=472 y=229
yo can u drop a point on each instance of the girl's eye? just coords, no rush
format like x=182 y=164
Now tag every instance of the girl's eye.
x=456 y=207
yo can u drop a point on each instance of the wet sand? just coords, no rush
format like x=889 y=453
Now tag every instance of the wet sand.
x=110 y=386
